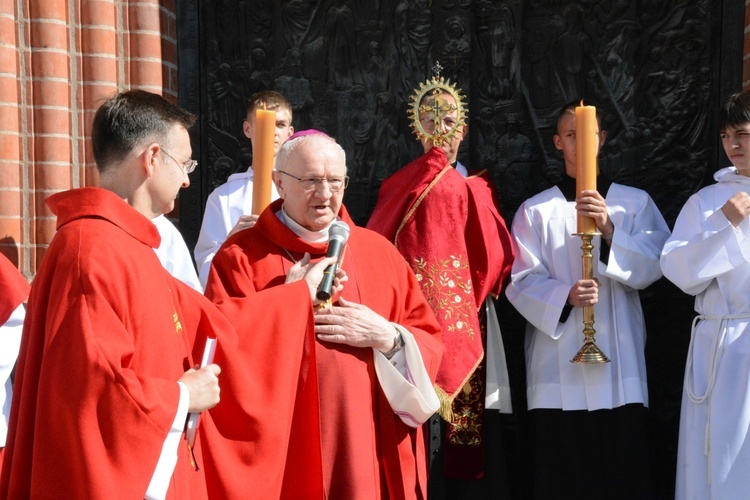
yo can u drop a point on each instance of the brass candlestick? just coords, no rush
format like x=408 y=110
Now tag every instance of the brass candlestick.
x=589 y=352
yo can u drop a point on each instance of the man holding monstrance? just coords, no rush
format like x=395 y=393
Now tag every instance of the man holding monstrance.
x=445 y=221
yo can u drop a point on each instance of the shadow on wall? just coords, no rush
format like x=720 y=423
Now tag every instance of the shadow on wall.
x=9 y=248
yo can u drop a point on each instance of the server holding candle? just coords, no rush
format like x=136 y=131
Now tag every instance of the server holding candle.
x=588 y=143
x=588 y=420
x=231 y=206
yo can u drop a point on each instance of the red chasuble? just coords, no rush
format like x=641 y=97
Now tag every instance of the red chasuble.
x=104 y=342
x=449 y=230
x=323 y=427
x=13 y=288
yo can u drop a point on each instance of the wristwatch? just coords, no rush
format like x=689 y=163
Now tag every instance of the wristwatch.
x=398 y=344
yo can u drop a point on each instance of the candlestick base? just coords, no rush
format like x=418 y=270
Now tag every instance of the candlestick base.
x=590 y=354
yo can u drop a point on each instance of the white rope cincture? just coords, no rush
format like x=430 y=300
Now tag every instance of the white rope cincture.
x=717 y=343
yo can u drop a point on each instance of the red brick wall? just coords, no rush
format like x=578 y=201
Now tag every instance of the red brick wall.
x=58 y=59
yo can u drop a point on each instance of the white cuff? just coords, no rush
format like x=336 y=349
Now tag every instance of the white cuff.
x=157 y=488
x=410 y=392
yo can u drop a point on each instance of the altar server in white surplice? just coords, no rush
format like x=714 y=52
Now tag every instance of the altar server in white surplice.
x=229 y=206
x=586 y=415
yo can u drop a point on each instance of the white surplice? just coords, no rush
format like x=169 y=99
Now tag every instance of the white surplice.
x=547 y=265
x=174 y=255
x=224 y=207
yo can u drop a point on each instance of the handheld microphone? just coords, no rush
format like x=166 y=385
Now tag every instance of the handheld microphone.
x=337 y=236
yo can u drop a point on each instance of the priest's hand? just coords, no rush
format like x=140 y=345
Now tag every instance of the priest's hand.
x=244 y=222
x=203 y=387
x=592 y=204
x=584 y=293
x=313 y=275
x=356 y=325
x=737 y=208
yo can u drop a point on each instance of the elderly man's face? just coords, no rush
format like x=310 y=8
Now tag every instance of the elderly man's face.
x=313 y=205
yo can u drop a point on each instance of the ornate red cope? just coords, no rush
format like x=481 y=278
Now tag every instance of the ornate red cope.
x=452 y=235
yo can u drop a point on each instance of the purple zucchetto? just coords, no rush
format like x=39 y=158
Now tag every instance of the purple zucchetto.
x=310 y=131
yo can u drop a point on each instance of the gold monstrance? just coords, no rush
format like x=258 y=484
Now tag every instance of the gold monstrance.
x=429 y=102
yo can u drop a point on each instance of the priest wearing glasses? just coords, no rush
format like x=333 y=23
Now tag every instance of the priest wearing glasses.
x=346 y=383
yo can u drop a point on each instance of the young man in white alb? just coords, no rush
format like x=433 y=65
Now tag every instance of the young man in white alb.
x=708 y=256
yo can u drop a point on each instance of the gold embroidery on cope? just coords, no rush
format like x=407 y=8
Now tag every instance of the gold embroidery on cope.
x=446 y=291
x=466 y=421
x=467 y=409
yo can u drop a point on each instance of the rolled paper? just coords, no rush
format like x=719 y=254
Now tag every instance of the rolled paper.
x=265 y=131
x=587 y=149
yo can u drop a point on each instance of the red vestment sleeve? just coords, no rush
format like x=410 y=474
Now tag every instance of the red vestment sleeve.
x=102 y=425
x=488 y=240
x=267 y=411
x=96 y=389
x=13 y=288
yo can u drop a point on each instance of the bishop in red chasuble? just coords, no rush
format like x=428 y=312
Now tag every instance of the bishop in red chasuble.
x=334 y=420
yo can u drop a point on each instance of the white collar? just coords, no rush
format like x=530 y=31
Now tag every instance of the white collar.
x=307 y=235
x=461 y=170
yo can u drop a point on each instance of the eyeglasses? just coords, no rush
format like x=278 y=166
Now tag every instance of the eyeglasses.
x=187 y=166
x=447 y=124
x=335 y=184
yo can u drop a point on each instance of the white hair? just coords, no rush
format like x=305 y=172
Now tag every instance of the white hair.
x=322 y=140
